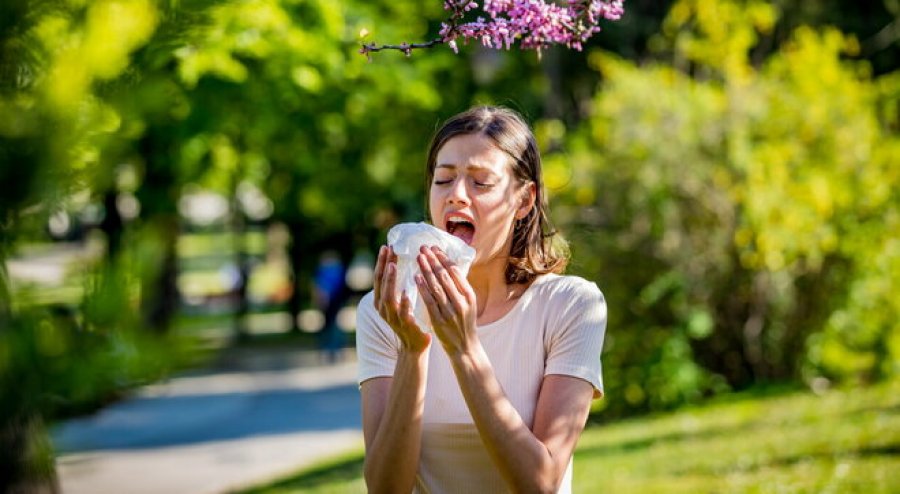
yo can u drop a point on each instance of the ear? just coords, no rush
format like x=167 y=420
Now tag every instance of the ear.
x=528 y=195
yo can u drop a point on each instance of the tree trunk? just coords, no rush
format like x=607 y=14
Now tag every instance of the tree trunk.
x=112 y=225
x=26 y=458
x=239 y=232
x=159 y=293
x=158 y=196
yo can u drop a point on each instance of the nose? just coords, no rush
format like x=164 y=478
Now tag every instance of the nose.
x=458 y=193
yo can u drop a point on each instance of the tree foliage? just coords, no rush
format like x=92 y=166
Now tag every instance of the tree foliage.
x=742 y=218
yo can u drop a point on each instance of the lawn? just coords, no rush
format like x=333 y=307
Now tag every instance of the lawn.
x=839 y=441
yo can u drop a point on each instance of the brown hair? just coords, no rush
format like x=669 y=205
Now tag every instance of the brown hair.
x=536 y=248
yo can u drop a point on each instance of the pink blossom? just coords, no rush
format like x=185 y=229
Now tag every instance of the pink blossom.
x=534 y=24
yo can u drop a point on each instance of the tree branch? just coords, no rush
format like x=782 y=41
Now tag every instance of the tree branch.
x=534 y=24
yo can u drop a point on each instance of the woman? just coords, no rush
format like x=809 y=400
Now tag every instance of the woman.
x=497 y=403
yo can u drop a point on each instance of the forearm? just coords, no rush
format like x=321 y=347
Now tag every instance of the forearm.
x=525 y=462
x=393 y=455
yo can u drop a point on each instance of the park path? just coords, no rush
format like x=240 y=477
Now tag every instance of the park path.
x=215 y=431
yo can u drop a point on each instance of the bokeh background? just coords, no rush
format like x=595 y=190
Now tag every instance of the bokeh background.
x=176 y=173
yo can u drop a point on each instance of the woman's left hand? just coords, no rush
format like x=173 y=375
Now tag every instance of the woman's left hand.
x=450 y=301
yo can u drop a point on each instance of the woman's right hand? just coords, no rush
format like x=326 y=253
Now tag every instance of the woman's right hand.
x=395 y=308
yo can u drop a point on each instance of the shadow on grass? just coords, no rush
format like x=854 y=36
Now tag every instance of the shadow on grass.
x=668 y=438
x=778 y=463
x=335 y=471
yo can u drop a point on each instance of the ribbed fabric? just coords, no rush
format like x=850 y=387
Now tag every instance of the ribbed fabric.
x=556 y=327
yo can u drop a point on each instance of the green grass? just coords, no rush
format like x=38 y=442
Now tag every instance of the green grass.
x=843 y=441
x=338 y=475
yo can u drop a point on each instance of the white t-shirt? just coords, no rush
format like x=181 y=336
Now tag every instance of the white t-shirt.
x=556 y=327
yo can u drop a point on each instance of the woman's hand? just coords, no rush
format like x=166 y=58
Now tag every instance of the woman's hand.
x=450 y=301
x=396 y=309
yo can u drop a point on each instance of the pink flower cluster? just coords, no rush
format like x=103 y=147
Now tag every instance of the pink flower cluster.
x=534 y=23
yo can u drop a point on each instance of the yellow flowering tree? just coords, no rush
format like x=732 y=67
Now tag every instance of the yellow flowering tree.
x=741 y=215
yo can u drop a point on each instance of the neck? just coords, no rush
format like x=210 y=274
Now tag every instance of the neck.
x=489 y=283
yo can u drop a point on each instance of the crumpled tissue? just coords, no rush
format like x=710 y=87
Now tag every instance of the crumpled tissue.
x=406 y=239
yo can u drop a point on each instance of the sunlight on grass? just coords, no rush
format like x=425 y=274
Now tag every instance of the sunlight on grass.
x=842 y=441
x=338 y=475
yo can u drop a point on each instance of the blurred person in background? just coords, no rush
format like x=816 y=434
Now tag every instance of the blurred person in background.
x=498 y=402
x=329 y=294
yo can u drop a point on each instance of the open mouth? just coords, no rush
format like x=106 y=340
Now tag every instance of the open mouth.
x=462 y=229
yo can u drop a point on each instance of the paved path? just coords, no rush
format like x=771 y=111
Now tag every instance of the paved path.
x=213 y=433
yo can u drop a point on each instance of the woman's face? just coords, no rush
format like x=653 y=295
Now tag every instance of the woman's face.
x=475 y=197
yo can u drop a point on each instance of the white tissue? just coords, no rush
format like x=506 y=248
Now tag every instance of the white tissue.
x=406 y=239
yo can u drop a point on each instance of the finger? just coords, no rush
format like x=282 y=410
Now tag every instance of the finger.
x=390 y=284
x=406 y=312
x=386 y=301
x=379 y=274
x=457 y=275
x=389 y=291
x=431 y=281
x=421 y=338
x=448 y=284
x=391 y=255
x=433 y=307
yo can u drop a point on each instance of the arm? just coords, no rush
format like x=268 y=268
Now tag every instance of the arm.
x=530 y=460
x=393 y=406
x=392 y=425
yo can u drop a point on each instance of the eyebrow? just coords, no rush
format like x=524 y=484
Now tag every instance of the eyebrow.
x=469 y=166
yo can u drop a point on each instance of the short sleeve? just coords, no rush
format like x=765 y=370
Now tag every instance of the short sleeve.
x=377 y=346
x=578 y=326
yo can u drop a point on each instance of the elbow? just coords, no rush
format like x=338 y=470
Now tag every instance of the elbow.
x=539 y=488
x=547 y=487
x=546 y=480
x=385 y=488
x=373 y=486
x=378 y=483
x=543 y=482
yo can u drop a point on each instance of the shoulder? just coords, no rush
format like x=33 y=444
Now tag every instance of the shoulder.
x=570 y=300
x=367 y=302
x=369 y=324
x=366 y=315
x=568 y=289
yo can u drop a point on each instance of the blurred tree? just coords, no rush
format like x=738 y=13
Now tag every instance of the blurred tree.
x=876 y=25
x=53 y=55
x=271 y=94
x=736 y=214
